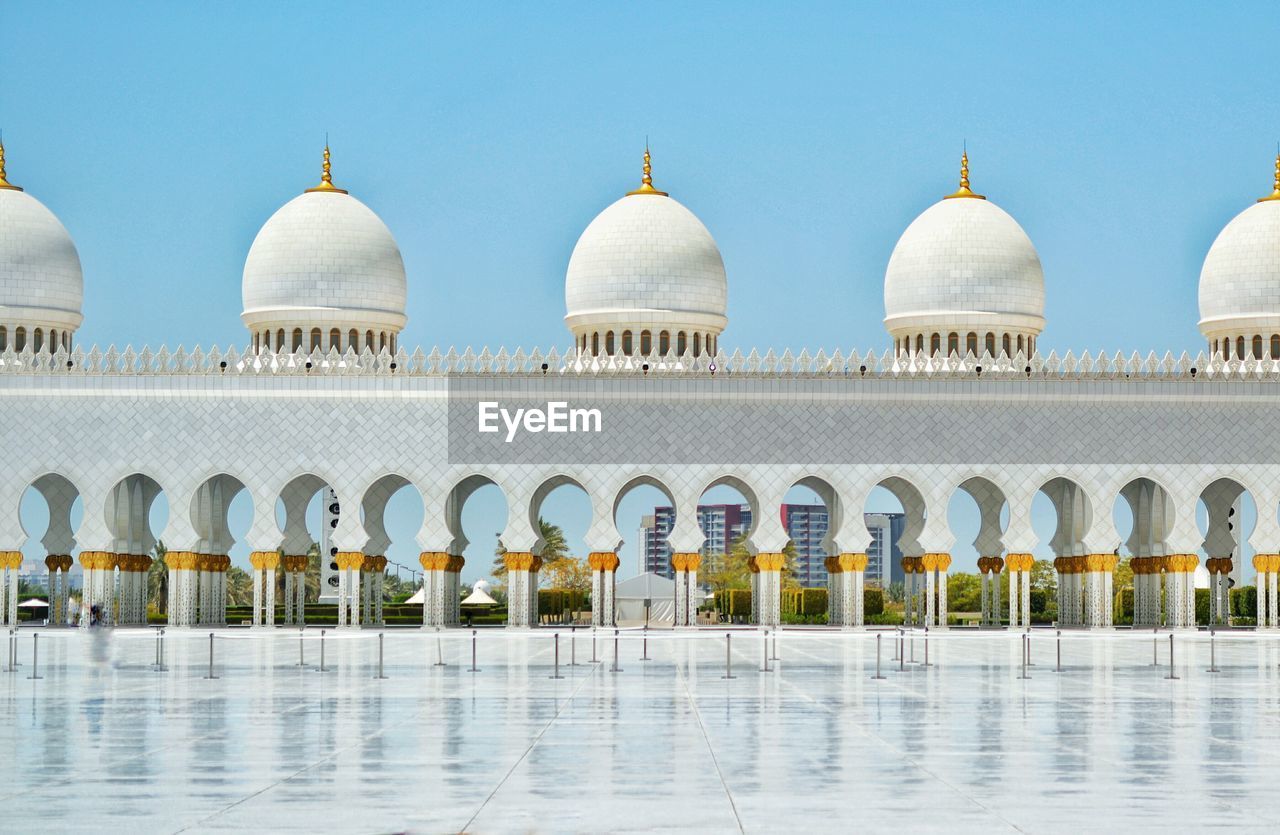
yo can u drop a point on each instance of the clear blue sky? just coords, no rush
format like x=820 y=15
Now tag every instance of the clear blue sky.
x=1122 y=136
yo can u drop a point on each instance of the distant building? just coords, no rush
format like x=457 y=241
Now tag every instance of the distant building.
x=806 y=524
x=884 y=557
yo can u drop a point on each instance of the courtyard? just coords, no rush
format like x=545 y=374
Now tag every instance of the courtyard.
x=107 y=738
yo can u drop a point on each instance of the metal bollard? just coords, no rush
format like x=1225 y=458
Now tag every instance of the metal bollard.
x=322 y=669
x=156 y=665
x=616 y=668
x=644 y=654
x=912 y=642
x=211 y=675
x=1213 y=654
x=9 y=666
x=594 y=660
x=439 y=650
x=728 y=656
x=1058 y=669
x=1025 y=638
x=301 y=651
x=163 y=668
x=1030 y=663
x=380 y=675
x=877 y=676
x=775 y=645
x=1172 y=673
x=895 y=645
x=556 y=673
x=474 y=669
x=902 y=652
x=35 y=657
x=573 y=645
x=764 y=653
x=926 y=647
x=1155 y=645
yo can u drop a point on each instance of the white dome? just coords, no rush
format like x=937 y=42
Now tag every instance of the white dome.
x=964 y=264
x=646 y=262
x=1240 y=280
x=40 y=280
x=324 y=260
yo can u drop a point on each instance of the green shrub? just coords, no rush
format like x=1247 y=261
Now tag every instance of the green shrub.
x=873 y=604
x=1244 y=602
x=813 y=602
x=1123 y=610
x=884 y=618
x=1039 y=603
x=804 y=620
x=1202 y=606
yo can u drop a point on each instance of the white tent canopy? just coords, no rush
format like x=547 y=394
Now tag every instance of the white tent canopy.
x=630 y=595
x=478 y=597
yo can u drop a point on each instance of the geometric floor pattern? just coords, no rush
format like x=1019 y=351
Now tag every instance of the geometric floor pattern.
x=106 y=742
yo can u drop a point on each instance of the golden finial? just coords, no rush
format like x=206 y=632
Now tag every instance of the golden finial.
x=964 y=190
x=646 y=180
x=3 y=182
x=326 y=176
x=1274 y=195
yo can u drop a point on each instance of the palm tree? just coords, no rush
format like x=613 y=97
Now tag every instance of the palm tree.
x=158 y=579
x=554 y=547
x=312 y=577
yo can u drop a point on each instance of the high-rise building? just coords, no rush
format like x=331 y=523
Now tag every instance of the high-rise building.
x=807 y=526
x=884 y=556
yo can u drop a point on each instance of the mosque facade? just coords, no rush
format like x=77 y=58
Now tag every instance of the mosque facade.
x=322 y=395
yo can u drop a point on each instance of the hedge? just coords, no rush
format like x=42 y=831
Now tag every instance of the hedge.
x=804 y=602
x=873 y=603
x=556 y=602
x=734 y=603
x=1124 y=606
x=1244 y=601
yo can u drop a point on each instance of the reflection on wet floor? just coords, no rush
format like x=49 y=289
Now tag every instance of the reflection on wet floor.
x=965 y=743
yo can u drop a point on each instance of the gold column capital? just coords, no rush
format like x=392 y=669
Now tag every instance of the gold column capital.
x=769 y=561
x=851 y=561
x=608 y=561
x=519 y=561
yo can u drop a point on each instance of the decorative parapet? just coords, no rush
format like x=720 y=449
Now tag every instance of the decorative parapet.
x=853 y=366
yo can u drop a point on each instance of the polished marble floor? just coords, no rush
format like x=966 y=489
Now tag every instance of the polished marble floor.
x=106 y=742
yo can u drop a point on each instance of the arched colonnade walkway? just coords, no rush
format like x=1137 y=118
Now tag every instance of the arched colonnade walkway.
x=114 y=541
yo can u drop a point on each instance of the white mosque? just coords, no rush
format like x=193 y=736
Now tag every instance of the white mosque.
x=323 y=396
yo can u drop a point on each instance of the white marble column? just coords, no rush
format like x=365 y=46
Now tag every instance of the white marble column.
x=908 y=590
x=944 y=564
x=928 y=596
x=1026 y=598
x=769 y=584
x=269 y=599
x=518 y=565
x=685 y=566
x=257 y=596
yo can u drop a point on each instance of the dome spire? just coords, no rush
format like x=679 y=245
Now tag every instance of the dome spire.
x=964 y=190
x=3 y=182
x=1274 y=195
x=646 y=179
x=326 y=176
